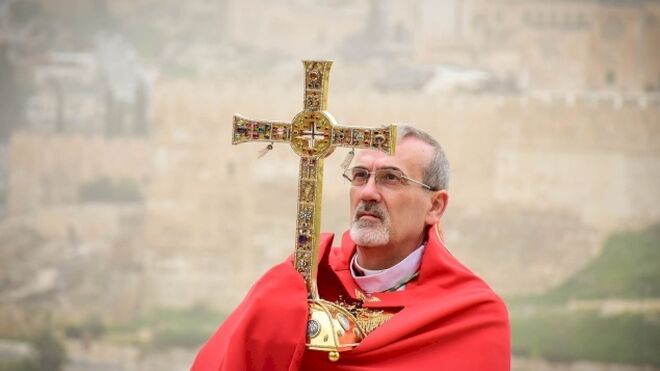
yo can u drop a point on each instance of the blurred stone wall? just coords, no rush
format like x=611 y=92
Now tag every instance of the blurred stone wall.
x=521 y=169
x=46 y=170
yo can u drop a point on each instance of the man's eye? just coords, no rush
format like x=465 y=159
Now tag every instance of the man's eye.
x=360 y=175
x=391 y=177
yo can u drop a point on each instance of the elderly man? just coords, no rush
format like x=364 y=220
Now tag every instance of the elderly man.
x=429 y=311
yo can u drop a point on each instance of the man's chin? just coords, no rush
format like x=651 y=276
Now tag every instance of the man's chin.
x=367 y=223
x=364 y=236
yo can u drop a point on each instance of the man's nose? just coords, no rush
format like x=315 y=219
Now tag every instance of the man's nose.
x=370 y=191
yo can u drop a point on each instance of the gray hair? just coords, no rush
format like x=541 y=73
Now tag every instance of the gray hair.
x=436 y=173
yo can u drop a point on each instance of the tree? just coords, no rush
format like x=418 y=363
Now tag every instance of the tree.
x=10 y=99
x=50 y=352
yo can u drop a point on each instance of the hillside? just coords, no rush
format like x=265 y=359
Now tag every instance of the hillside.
x=628 y=267
x=554 y=326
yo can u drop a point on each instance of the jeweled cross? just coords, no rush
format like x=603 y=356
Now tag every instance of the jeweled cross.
x=313 y=135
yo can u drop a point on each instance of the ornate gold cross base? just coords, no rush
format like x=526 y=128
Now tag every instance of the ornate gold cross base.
x=313 y=134
x=332 y=328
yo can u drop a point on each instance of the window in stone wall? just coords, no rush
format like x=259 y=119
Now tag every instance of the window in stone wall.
x=610 y=78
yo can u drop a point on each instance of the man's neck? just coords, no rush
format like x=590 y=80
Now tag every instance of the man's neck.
x=383 y=257
x=388 y=280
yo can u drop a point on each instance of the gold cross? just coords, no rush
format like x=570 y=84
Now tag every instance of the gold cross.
x=313 y=134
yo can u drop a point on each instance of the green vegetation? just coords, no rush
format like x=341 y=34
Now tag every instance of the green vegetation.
x=91 y=329
x=565 y=336
x=14 y=365
x=168 y=328
x=627 y=268
x=50 y=354
x=105 y=189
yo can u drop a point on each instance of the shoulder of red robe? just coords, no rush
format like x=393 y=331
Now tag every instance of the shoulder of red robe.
x=267 y=330
x=467 y=333
x=450 y=318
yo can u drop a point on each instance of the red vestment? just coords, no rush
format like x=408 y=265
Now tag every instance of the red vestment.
x=447 y=319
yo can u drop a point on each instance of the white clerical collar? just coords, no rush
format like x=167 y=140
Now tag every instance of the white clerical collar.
x=371 y=281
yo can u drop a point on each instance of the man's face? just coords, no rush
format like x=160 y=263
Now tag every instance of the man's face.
x=383 y=216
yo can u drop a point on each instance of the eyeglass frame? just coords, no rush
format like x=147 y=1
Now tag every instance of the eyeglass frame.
x=369 y=173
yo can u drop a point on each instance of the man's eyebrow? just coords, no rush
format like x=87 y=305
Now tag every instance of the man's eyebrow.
x=380 y=168
x=390 y=168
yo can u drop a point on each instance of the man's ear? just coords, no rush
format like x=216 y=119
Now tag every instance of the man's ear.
x=439 y=201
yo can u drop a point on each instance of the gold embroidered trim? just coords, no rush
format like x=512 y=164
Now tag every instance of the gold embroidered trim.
x=365 y=299
x=371 y=319
x=367 y=319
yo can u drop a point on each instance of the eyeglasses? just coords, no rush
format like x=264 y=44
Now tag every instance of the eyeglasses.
x=392 y=178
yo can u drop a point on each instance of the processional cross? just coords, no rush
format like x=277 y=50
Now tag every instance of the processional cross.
x=313 y=134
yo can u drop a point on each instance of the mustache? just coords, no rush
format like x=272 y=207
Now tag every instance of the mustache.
x=371 y=208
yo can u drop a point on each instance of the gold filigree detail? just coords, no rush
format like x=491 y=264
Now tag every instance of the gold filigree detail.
x=371 y=319
x=364 y=298
x=367 y=319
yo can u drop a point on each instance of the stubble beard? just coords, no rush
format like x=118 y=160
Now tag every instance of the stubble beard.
x=371 y=232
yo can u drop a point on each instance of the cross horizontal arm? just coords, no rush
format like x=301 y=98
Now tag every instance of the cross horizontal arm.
x=381 y=139
x=247 y=130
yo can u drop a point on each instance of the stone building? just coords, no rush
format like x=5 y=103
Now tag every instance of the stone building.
x=581 y=45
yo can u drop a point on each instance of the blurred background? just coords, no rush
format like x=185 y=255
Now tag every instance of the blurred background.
x=130 y=226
